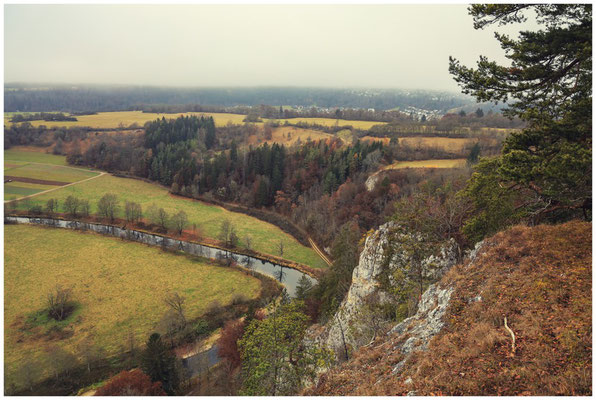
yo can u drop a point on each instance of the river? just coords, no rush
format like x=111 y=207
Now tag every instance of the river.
x=288 y=277
x=196 y=363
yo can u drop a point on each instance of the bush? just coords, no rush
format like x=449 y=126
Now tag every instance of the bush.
x=35 y=210
x=59 y=304
x=133 y=383
x=201 y=327
x=239 y=299
x=227 y=344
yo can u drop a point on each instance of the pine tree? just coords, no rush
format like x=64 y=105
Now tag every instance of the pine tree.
x=548 y=165
x=159 y=364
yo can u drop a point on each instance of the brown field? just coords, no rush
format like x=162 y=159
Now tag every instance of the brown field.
x=37 y=181
x=452 y=145
x=455 y=163
x=332 y=122
x=443 y=143
x=122 y=119
x=289 y=135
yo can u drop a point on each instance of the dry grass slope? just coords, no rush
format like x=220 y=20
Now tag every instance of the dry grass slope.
x=333 y=122
x=540 y=278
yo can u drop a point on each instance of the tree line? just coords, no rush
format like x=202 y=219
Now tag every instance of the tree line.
x=26 y=98
x=42 y=117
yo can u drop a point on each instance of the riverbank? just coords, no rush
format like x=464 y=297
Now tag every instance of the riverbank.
x=124 y=229
x=99 y=269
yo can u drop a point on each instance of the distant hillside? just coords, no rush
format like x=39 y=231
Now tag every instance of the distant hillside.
x=539 y=278
x=80 y=98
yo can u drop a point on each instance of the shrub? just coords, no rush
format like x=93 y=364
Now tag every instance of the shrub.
x=239 y=299
x=227 y=344
x=59 y=305
x=133 y=383
x=201 y=327
x=35 y=210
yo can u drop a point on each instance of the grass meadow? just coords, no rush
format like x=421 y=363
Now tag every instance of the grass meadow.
x=29 y=154
x=49 y=172
x=119 y=287
x=21 y=163
x=207 y=217
x=289 y=135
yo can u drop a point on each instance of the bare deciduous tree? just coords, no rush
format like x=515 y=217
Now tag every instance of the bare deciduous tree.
x=108 y=206
x=85 y=207
x=71 y=205
x=176 y=304
x=89 y=352
x=59 y=302
x=133 y=211
x=180 y=220
x=224 y=232
x=52 y=206
x=60 y=360
x=162 y=218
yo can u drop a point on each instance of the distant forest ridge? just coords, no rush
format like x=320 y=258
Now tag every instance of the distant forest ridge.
x=94 y=98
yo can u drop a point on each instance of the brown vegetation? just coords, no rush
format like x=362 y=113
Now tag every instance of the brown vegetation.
x=539 y=279
x=133 y=383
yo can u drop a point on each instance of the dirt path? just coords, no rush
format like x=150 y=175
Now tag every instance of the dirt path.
x=58 y=187
x=319 y=252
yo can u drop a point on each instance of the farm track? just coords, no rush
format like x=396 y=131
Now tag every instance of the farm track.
x=313 y=245
x=319 y=252
x=57 y=187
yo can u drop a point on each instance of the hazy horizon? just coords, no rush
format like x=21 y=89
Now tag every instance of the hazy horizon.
x=219 y=46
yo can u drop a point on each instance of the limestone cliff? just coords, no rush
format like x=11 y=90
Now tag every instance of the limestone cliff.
x=539 y=278
x=349 y=329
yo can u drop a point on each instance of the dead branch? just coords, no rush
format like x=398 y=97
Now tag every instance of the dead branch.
x=512 y=337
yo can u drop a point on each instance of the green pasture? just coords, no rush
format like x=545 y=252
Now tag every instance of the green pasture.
x=25 y=156
x=207 y=218
x=119 y=286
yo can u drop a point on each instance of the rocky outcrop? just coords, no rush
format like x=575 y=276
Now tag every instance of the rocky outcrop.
x=344 y=330
x=457 y=344
x=371 y=182
x=426 y=323
x=364 y=284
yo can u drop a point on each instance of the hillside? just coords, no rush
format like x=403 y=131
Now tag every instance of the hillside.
x=539 y=278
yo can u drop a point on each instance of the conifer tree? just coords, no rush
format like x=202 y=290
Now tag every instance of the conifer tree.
x=546 y=169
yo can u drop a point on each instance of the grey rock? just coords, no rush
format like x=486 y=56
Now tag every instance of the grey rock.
x=371 y=182
x=365 y=283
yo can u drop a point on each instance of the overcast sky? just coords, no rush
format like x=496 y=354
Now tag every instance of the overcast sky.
x=381 y=46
